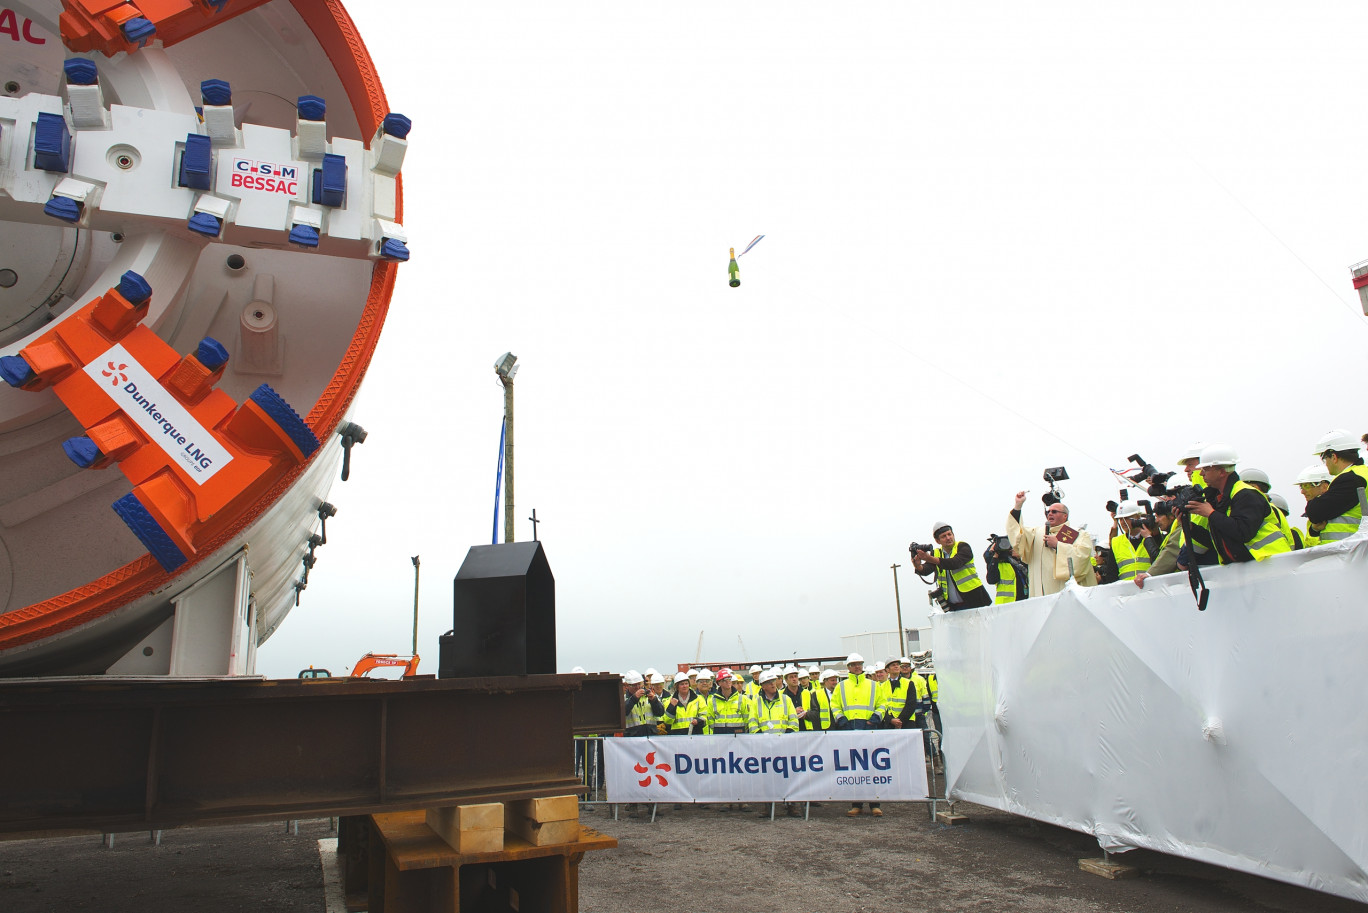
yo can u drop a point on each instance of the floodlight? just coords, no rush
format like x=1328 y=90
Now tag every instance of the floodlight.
x=505 y=364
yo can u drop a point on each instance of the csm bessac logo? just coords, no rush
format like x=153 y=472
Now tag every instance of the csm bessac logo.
x=647 y=768
x=271 y=177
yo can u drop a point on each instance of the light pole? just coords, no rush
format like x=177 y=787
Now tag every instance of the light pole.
x=902 y=644
x=416 y=563
x=506 y=367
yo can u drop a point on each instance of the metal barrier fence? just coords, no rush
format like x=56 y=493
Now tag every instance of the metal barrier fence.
x=589 y=768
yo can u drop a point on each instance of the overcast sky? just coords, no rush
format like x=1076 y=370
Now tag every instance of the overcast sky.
x=999 y=237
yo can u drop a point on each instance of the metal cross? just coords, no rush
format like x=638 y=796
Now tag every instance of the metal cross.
x=535 y=521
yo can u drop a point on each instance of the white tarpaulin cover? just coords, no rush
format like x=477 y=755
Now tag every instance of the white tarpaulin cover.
x=1234 y=736
x=767 y=767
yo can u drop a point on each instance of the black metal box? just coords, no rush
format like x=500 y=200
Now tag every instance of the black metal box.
x=504 y=619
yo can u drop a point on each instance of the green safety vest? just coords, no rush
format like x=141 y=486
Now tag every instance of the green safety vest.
x=1347 y=523
x=966 y=579
x=641 y=714
x=1309 y=538
x=857 y=700
x=681 y=717
x=1007 y=583
x=894 y=696
x=775 y=715
x=932 y=687
x=1130 y=559
x=821 y=701
x=1272 y=537
x=729 y=712
x=923 y=691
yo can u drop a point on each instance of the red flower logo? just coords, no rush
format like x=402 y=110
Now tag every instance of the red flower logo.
x=650 y=759
x=115 y=374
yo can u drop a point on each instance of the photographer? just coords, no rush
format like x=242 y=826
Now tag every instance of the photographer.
x=1243 y=525
x=1131 y=545
x=1005 y=571
x=953 y=564
x=641 y=708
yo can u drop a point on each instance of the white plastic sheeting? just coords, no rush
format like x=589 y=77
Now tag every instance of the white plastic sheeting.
x=1235 y=736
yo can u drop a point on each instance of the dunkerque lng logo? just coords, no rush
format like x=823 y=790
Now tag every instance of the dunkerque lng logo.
x=646 y=769
x=116 y=374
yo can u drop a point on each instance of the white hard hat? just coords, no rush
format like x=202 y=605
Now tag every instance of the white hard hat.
x=693 y=673
x=681 y=677
x=1217 y=455
x=1279 y=502
x=1129 y=509
x=754 y=669
x=1339 y=439
x=830 y=673
x=579 y=669
x=814 y=670
x=790 y=670
x=904 y=659
x=705 y=673
x=631 y=677
x=768 y=675
x=1314 y=475
x=1194 y=451
x=649 y=672
x=1254 y=475
x=854 y=658
x=657 y=678
x=877 y=667
x=938 y=526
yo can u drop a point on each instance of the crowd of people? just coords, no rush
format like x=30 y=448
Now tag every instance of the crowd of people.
x=1208 y=511
x=900 y=693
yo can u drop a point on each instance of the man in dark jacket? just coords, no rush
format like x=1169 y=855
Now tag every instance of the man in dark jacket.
x=953 y=565
x=1243 y=525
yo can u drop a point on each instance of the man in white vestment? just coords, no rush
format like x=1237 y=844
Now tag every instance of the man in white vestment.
x=1045 y=555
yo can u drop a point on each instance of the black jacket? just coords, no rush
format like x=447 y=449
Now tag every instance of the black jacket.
x=975 y=598
x=1236 y=521
x=1340 y=498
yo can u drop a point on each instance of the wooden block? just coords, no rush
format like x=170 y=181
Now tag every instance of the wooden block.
x=951 y=818
x=544 y=833
x=469 y=817
x=1112 y=870
x=469 y=828
x=549 y=808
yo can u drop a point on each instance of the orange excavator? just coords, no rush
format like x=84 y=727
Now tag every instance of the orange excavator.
x=371 y=661
x=376 y=660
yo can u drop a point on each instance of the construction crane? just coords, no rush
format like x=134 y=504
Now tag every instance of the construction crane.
x=744 y=654
x=698 y=654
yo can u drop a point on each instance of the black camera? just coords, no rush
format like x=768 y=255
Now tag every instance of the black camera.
x=1052 y=475
x=1181 y=496
x=999 y=548
x=1158 y=484
x=922 y=547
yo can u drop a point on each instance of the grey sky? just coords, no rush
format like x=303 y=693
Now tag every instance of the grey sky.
x=1000 y=237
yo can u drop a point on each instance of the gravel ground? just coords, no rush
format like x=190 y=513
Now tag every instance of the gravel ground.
x=697 y=858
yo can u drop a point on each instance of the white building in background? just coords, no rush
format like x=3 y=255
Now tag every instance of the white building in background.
x=880 y=645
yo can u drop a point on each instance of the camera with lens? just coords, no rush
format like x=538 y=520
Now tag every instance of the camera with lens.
x=1056 y=494
x=1181 y=496
x=922 y=547
x=1001 y=546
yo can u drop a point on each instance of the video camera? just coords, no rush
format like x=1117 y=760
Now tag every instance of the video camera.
x=999 y=547
x=1055 y=494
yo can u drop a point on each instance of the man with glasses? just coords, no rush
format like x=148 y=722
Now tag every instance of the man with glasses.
x=1045 y=555
x=1335 y=514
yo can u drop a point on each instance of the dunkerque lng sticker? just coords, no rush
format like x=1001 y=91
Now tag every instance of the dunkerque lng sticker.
x=159 y=414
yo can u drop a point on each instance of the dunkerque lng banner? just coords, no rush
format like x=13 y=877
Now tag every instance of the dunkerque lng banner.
x=788 y=767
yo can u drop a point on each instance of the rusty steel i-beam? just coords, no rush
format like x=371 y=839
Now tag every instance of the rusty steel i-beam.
x=113 y=754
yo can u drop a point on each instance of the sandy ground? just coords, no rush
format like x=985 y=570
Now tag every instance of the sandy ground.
x=692 y=859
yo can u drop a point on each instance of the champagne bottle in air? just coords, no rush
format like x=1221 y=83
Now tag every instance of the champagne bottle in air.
x=733 y=270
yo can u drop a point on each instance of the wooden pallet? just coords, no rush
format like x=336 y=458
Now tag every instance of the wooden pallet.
x=412 y=869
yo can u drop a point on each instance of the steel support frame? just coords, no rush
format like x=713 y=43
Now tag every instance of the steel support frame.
x=111 y=754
